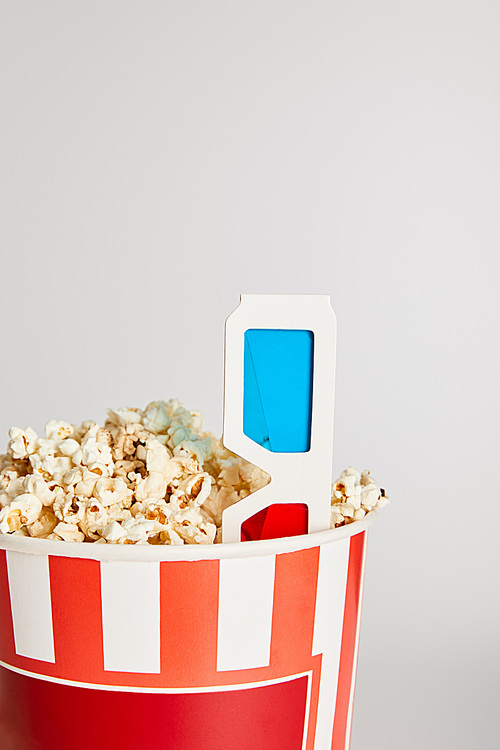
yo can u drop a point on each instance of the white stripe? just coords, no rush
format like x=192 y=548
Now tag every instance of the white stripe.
x=131 y=616
x=246 y=592
x=29 y=586
x=328 y=624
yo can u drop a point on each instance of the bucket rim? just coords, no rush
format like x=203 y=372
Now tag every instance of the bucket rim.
x=185 y=552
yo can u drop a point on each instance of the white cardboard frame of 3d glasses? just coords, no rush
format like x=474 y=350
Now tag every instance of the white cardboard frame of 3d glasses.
x=295 y=477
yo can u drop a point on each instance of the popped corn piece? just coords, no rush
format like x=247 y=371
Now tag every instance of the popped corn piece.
x=196 y=533
x=137 y=530
x=153 y=486
x=346 y=484
x=6 y=477
x=113 y=532
x=25 y=509
x=58 y=431
x=141 y=453
x=44 y=525
x=370 y=496
x=100 y=470
x=111 y=491
x=15 y=487
x=92 y=450
x=48 y=466
x=95 y=511
x=193 y=527
x=159 y=459
x=46 y=448
x=131 y=471
x=365 y=478
x=36 y=485
x=199 y=487
x=118 y=512
x=127 y=438
x=73 y=477
x=346 y=510
x=351 y=472
x=66 y=506
x=68 y=532
x=230 y=475
x=123 y=416
x=336 y=519
x=156 y=418
x=197 y=420
x=169 y=536
x=382 y=501
x=86 y=486
x=197 y=449
x=153 y=510
x=68 y=447
x=193 y=489
x=22 y=443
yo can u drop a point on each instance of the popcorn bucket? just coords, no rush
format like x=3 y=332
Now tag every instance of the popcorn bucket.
x=214 y=647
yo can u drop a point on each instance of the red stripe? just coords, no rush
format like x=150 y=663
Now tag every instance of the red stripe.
x=295 y=587
x=189 y=604
x=7 y=647
x=77 y=619
x=296 y=579
x=350 y=634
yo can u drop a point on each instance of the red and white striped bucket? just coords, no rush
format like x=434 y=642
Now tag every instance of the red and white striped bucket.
x=250 y=645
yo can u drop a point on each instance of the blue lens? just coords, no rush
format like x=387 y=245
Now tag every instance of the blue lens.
x=277 y=389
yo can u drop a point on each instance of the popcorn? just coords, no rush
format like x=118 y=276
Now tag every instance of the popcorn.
x=158 y=459
x=50 y=467
x=93 y=450
x=354 y=495
x=123 y=416
x=153 y=486
x=6 y=477
x=69 y=532
x=112 y=491
x=198 y=487
x=58 y=431
x=44 y=525
x=191 y=526
x=85 y=486
x=36 y=485
x=126 y=440
x=22 y=442
x=113 y=532
x=156 y=418
x=15 y=487
x=146 y=477
x=22 y=511
x=68 y=447
x=66 y=507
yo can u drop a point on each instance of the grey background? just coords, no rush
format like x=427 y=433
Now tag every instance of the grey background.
x=159 y=158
